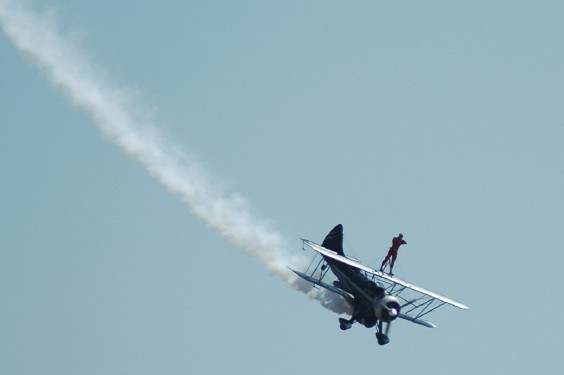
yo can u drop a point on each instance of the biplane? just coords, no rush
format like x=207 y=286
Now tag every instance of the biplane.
x=376 y=298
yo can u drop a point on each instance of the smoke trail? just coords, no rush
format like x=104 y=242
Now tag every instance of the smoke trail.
x=117 y=117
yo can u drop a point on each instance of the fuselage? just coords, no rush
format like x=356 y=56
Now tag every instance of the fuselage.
x=371 y=302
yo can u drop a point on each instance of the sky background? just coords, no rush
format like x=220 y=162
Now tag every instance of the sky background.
x=441 y=120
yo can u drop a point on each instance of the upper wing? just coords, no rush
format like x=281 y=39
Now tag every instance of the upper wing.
x=395 y=285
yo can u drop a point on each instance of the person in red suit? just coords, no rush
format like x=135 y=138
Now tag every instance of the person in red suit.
x=393 y=252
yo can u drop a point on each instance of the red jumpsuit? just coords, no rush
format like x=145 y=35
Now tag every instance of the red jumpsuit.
x=393 y=252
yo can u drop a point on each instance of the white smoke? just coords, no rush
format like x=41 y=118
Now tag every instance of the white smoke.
x=115 y=114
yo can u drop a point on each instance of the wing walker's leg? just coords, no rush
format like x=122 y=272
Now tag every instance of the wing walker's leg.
x=393 y=262
x=389 y=264
x=384 y=265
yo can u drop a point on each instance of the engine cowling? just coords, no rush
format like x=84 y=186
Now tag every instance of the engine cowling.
x=387 y=308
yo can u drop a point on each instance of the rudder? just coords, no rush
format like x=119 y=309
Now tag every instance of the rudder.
x=334 y=240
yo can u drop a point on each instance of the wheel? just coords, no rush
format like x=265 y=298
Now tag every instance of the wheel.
x=382 y=339
x=345 y=324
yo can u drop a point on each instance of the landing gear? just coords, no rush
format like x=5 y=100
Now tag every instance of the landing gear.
x=382 y=339
x=345 y=324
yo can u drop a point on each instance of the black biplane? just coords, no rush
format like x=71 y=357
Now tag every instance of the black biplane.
x=376 y=298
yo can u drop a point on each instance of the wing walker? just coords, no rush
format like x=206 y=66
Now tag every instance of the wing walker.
x=376 y=298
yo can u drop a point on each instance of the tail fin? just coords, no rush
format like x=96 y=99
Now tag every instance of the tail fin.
x=334 y=240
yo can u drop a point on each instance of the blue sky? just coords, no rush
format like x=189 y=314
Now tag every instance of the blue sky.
x=441 y=120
